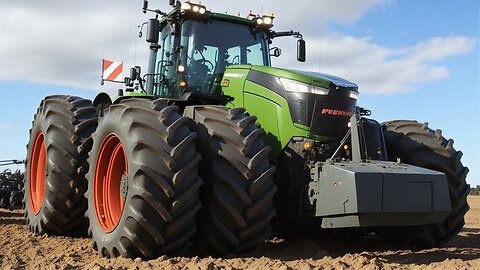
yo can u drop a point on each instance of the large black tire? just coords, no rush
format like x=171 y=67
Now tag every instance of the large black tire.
x=414 y=143
x=238 y=190
x=293 y=218
x=158 y=181
x=56 y=164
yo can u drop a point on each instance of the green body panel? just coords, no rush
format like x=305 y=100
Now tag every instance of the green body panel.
x=293 y=75
x=136 y=94
x=233 y=84
x=273 y=116
x=128 y=94
x=271 y=109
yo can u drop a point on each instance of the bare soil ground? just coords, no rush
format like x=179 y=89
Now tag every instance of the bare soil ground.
x=19 y=249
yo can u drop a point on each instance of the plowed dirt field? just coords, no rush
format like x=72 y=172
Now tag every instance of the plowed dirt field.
x=20 y=249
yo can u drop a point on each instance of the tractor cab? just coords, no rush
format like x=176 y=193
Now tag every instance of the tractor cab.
x=191 y=48
x=195 y=58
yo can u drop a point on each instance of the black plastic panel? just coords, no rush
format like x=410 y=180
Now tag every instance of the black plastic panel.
x=325 y=115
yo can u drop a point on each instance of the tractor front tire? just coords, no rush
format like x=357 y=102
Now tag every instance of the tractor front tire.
x=143 y=181
x=414 y=143
x=238 y=190
x=56 y=165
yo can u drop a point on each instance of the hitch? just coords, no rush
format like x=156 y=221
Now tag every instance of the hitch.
x=366 y=135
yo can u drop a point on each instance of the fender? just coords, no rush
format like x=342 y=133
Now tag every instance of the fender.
x=101 y=102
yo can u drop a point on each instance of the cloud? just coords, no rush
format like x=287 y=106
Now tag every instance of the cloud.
x=381 y=70
x=438 y=48
x=63 y=43
x=344 y=11
x=308 y=16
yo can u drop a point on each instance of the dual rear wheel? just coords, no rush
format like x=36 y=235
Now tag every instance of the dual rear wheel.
x=144 y=191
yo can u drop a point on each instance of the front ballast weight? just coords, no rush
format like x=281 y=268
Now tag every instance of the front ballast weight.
x=369 y=191
x=378 y=193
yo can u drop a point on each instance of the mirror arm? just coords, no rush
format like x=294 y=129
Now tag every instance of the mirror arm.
x=301 y=53
x=291 y=33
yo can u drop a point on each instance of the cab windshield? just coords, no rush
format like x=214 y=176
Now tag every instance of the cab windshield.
x=206 y=49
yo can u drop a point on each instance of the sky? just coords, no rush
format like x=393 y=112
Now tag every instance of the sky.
x=411 y=59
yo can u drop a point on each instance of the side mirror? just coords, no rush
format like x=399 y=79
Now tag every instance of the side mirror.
x=301 y=52
x=153 y=31
x=276 y=52
x=133 y=74
x=172 y=3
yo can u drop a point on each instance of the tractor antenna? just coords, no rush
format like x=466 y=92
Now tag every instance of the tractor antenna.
x=135 y=57
x=158 y=11
x=145 y=6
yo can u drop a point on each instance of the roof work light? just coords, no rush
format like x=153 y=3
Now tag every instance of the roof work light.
x=265 y=21
x=188 y=7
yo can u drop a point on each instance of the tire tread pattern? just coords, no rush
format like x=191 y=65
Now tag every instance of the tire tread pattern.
x=162 y=198
x=67 y=123
x=238 y=190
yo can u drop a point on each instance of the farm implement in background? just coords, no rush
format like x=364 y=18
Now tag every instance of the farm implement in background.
x=11 y=186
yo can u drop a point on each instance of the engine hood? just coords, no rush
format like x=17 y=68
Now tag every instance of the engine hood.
x=315 y=78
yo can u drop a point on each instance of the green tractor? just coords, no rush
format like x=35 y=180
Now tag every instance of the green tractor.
x=214 y=148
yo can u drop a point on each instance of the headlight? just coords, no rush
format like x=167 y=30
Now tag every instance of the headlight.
x=298 y=87
x=353 y=94
x=186 y=6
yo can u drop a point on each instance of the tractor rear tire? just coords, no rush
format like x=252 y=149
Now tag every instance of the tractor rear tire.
x=238 y=190
x=56 y=164
x=416 y=144
x=143 y=181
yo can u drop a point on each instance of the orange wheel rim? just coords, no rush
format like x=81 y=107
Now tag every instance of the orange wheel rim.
x=37 y=173
x=110 y=167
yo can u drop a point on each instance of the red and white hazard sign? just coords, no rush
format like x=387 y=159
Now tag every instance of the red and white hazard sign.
x=112 y=71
